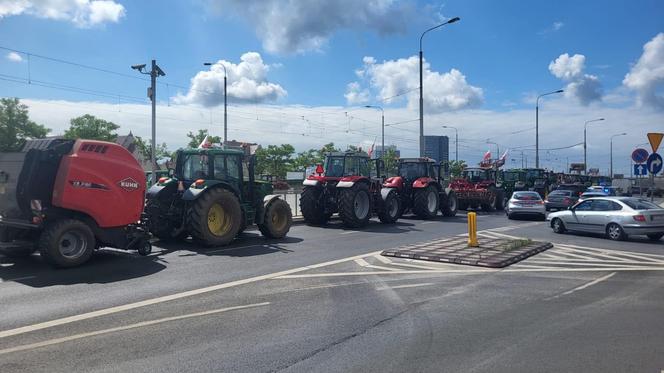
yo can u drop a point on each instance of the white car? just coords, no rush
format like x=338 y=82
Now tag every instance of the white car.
x=525 y=204
x=616 y=217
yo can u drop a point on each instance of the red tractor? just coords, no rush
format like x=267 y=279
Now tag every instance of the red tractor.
x=345 y=186
x=67 y=198
x=421 y=189
x=477 y=189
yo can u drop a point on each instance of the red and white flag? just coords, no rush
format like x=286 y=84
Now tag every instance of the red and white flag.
x=206 y=143
x=371 y=149
x=487 y=156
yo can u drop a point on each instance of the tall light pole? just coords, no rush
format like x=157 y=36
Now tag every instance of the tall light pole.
x=616 y=135
x=154 y=72
x=537 y=124
x=225 y=102
x=585 y=130
x=456 y=142
x=455 y=19
x=382 y=117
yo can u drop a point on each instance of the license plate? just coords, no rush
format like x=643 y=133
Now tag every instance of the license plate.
x=657 y=217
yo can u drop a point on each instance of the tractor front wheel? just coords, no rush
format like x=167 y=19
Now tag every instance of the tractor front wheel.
x=312 y=207
x=449 y=204
x=390 y=209
x=277 y=220
x=426 y=202
x=355 y=205
x=215 y=217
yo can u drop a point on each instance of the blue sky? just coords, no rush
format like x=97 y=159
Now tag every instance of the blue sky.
x=501 y=49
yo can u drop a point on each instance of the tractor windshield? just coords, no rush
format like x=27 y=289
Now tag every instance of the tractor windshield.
x=534 y=174
x=412 y=171
x=475 y=176
x=195 y=166
x=334 y=166
x=511 y=176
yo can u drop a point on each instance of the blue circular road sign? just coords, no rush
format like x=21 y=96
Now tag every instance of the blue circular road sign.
x=654 y=163
x=639 y=155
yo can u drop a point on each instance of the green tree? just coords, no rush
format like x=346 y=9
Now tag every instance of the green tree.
x=16 y=126
x=391 y=161
x=312 y=157
x=145 y=148
x=328 y=148
x=90 y=127
x=275 y=160
x=197 y=138
x=456 y=167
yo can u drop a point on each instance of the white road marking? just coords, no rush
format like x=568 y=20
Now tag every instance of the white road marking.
x=591 y=283
x=428 y=222
x=595 y=254
x=126 y=327
x=364 y=263
x=349 y=232
x=655 y=256
x=601 y=264
x=405 y=286
x=383 y=259
x=413 y=265
x=6 y=264
x=611 y=253
x=185 y=294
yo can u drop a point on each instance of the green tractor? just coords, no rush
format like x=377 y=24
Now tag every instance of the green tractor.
x=511 y=181
x=212 y=197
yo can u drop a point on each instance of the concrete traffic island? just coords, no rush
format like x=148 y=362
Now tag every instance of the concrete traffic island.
x=491 y=252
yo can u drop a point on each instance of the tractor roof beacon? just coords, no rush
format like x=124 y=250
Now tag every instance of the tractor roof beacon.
x=212 y=197
x=348 y=183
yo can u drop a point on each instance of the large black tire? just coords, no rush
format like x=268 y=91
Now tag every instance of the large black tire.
x=159 y=226
x=355 y=205
x=426 y=202
x=500 y=199
x=491 y=204
x=277 y=220
x=390 y=208
x=449 y=204
x=67 y=243
x=215 y=217
x=312 y=209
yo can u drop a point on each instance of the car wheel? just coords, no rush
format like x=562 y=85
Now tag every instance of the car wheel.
x=615 y=232
x=510 y=216
x=558 y=226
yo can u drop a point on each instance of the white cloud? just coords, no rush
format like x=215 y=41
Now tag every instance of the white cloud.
x=446 y=91
x=557 y=26
x=300 y=26
x=355 y=95
x=566 y=67
x=584 y=87
x=82 y=13
x=14 y=57
x=247 y=82
x=647 y=76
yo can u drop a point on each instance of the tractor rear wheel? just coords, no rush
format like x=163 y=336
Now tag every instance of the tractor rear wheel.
x=215 y=218
x=500 y=199
x=313 y=210
x=160 y=226
x=390 y=208
x=277 y=220
x=355 y=205
x=67 y=243
x=449 y=204
x=426 y=202
x=490 y=205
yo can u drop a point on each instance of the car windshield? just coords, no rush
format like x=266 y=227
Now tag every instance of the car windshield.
x=412 y=170
x=526 y=196
x=640 y=204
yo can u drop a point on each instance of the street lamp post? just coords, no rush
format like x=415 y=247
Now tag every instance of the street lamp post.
x=455 y=19
x=456 y=142
x=585 y=130
x=225 y=101
x=611 y=158
x=382 y=117
x=155 y=71
x=537 y=124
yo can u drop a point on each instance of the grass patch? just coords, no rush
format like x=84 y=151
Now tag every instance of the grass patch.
x=516 y=244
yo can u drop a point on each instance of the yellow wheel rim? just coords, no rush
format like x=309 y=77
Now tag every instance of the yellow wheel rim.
x=219 y=223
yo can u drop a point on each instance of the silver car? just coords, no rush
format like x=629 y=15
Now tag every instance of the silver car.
x=525 y=204
x=616 y=217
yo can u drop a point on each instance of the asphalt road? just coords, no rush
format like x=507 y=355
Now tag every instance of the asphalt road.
x=324 y=300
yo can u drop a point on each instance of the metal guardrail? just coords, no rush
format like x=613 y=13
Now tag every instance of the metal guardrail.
x=293 y=200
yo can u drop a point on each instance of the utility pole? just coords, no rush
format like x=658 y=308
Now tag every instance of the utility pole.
x=537 y=124
x=455 y=19
x=611 y=157
x=585 y=142
x=456 y=142
x=382 y=118
x=225 y=102
x=155 y=71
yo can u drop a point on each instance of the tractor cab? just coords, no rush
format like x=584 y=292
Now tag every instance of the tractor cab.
x=479 y=175
x=537 y=180
x=411 y=169
x=346 y=166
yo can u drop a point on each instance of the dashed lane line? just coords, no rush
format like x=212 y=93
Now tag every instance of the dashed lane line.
x=74 y=337
x=584 y=286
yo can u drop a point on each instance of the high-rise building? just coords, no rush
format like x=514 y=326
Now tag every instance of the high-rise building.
x=437 y=148
x=378 y=151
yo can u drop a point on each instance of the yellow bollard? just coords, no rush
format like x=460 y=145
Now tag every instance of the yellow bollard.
x=472 y=230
